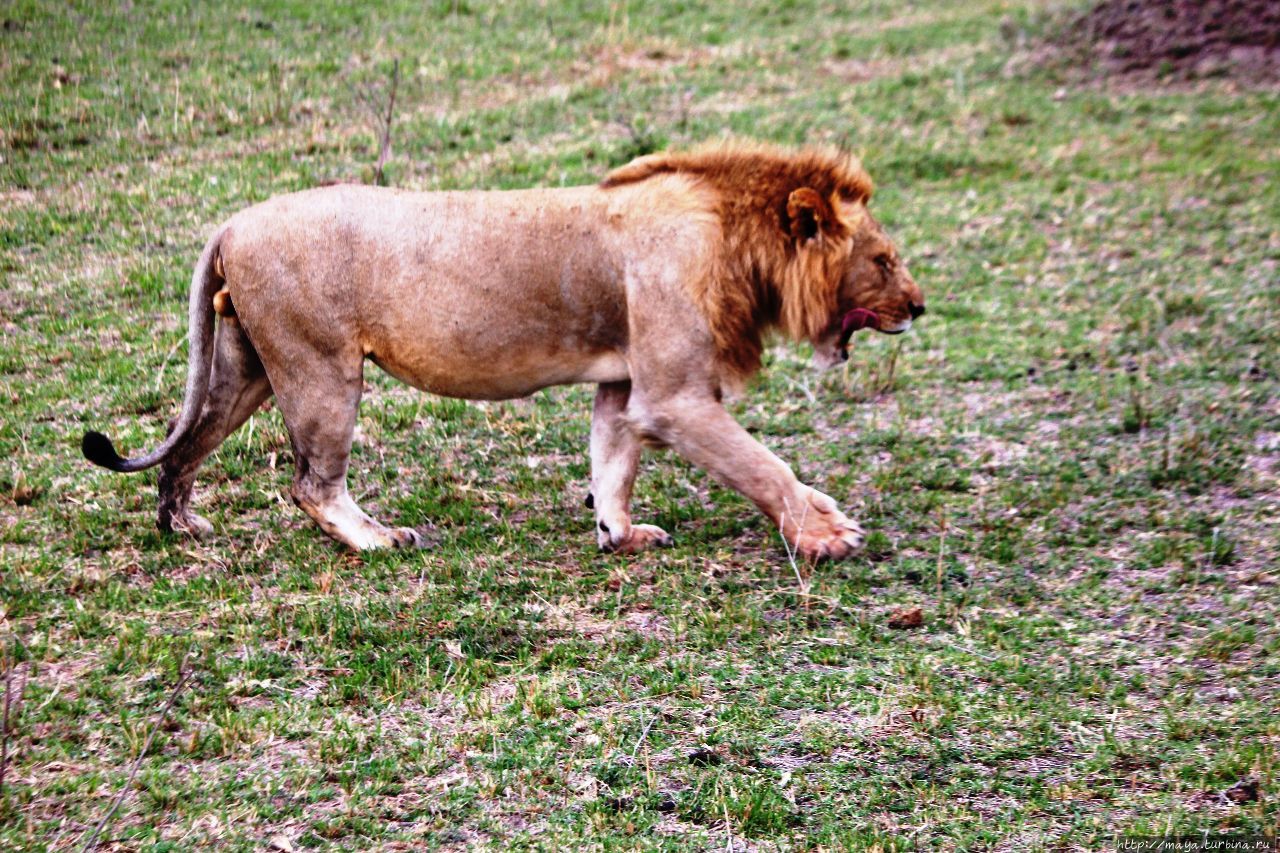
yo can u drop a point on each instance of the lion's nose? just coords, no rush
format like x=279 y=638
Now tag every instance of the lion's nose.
x=916 y=310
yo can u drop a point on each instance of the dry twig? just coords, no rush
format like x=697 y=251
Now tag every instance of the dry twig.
x=382 y=118
x=11 y=705
x=92 y=840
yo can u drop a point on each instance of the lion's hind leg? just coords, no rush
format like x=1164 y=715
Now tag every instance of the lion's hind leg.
x=333 y=508
x=237 y=386
x=319 y=404
x=615 y=456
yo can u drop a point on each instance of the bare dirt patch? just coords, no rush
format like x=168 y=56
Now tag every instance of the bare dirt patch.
x=1177 y=40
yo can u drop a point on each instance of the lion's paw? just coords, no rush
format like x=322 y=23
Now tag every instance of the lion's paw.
x=405 y=537
x=190 y=524
x=375 y=537
x=636 y=538
x=842 y=539
x=824 y=531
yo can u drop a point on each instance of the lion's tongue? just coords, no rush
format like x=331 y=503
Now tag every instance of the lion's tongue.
x=858 y=318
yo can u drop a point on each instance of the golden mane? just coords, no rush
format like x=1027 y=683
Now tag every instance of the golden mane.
x=764 y=278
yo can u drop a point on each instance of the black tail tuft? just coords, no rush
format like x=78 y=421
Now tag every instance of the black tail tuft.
x=99 y=450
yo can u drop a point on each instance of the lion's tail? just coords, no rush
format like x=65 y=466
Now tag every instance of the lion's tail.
x=205 y=282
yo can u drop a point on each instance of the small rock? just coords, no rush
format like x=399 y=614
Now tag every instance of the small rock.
x=1244 y=791
x=25 y=495
x=906 y=617
x=704 y=758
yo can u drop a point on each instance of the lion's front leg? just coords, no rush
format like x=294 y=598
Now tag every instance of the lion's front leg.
x=701 y=431
x=615 y=456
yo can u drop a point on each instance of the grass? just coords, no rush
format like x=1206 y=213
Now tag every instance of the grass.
x=1070 y=465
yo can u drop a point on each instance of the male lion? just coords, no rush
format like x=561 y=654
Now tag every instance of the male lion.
x=656 y=285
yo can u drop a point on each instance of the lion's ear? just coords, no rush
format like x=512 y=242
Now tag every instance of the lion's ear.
x=807 y=213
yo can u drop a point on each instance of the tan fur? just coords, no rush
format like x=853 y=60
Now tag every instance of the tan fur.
x=658 y=285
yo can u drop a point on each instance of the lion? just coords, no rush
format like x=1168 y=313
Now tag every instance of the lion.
x=658 y=285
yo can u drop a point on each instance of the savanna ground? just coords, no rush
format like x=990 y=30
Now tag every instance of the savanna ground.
x=1070 y=466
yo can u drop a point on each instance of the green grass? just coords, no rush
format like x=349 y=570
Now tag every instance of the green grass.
x=1070 y=465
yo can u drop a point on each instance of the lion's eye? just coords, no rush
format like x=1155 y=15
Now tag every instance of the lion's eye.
x=883 y=262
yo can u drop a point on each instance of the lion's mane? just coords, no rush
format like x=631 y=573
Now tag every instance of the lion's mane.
x=763 y=276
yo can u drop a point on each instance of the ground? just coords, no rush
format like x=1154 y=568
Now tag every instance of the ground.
x=1169 y=40
x=1071 y=467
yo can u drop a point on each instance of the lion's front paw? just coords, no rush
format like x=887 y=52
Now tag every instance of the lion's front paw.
x=633 y=539
x=375 y=537
x=841 y=539
x=820 y=531
x=405 y=537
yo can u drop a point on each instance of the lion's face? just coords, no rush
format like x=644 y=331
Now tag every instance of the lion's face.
x=876 y=291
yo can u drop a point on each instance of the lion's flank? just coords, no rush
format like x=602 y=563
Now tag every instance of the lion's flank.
x=764 y=277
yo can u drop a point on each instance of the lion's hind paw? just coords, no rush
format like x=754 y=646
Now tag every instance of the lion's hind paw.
x=190 y=524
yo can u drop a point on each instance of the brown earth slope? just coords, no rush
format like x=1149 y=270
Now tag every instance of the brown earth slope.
x=1178 y=39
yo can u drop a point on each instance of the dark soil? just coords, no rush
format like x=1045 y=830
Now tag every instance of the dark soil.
x=1178 y=39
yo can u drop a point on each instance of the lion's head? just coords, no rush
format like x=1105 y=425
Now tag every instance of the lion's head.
x=875 y=288
x=801 y=252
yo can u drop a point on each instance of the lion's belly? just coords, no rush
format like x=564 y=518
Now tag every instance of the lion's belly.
x=501 y=376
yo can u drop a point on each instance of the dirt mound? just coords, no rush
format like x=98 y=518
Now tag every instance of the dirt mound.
x=1178 y=39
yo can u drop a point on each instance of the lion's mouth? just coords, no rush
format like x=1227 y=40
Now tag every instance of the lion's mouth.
x=858 y=318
